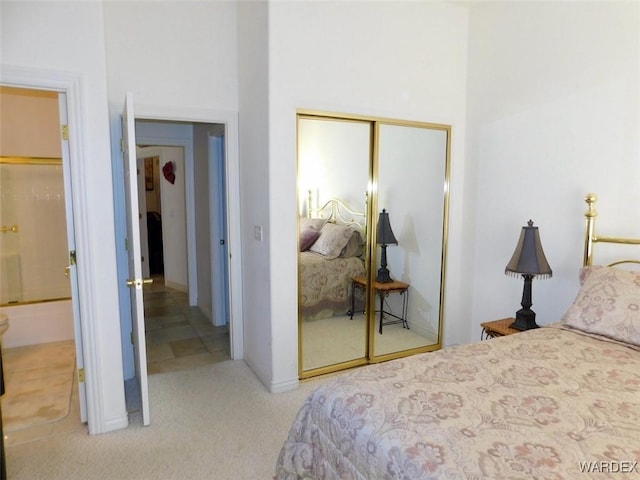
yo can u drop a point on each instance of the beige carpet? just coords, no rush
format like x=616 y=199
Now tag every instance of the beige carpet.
x=38 y=389
x=339 y=339
x=213 y=422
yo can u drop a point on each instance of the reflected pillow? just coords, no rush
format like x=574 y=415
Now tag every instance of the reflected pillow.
x=308 y=238
x=607 y=304
x=354 y=246
x=333 y=238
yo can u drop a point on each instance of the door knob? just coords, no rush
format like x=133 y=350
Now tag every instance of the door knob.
x=137 y=282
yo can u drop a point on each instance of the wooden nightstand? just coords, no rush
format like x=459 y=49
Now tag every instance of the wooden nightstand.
x=498 y=328
x=383 y=290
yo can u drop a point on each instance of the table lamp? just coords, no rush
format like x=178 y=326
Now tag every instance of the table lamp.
x=385 y=237
x=529 y=261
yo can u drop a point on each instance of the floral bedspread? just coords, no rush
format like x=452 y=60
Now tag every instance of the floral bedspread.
x=546 y=403
x=326 y=284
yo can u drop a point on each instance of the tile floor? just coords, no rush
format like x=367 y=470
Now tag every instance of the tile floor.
x=178 y=337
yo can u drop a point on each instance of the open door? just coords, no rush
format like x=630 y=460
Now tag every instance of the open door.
x=72 y=271
x=135 y=280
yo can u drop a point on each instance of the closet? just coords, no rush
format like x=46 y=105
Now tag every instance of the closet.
x=372 y=193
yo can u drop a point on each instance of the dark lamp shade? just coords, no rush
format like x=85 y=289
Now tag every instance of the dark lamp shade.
x=385 y=235
x=528 y=258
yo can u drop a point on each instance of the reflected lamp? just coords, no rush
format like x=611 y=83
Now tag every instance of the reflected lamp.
x=528 y=261
x=384 y=237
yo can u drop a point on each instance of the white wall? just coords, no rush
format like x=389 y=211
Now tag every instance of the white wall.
x=172 y=55
x=174 y=220
x=334 y=158
x=253 y=83
x=554 y=105
x=202 y=216
x=67 y=38
x=394 y=59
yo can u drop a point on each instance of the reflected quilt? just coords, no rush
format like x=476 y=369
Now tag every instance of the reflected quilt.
x=326 y=284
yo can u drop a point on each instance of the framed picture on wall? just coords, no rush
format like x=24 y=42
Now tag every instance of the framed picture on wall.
x=149 y=176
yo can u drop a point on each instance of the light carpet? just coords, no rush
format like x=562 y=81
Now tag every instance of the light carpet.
x=340 y=339
x=212 y=422
x=39 y=382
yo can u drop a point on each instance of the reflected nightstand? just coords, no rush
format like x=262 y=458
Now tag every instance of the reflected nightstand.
x=383 y=290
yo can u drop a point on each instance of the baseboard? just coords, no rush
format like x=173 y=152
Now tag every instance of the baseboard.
x=285 y=385
x=113 y=424
x=273 y=387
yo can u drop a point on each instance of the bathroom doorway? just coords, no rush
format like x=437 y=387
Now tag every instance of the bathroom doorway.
x=38 y=278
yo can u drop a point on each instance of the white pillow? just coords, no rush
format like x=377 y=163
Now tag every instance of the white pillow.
x=333 y=238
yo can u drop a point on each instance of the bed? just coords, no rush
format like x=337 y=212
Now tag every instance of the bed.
x=331 y=248
x=556 y=402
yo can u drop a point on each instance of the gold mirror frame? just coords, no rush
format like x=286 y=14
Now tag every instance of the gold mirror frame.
x=371 y=254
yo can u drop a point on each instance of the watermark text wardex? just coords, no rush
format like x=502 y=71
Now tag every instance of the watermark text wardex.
x=609 y=466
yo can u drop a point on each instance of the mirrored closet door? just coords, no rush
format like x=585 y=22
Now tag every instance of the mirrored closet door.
x=365 y=296
x=412 y=185
x=334 y=158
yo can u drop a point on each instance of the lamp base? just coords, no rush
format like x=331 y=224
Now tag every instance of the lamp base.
x=383 y=276
x=525 y=320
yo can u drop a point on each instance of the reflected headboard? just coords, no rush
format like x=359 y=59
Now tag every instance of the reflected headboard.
x=591 y=238
x=337 y=211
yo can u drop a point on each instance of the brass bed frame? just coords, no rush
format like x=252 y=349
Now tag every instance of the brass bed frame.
x=591 y=238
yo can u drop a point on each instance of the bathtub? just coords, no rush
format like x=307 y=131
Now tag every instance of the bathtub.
x=35 y=323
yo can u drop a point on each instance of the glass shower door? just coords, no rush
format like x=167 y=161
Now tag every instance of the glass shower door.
x=33 y=240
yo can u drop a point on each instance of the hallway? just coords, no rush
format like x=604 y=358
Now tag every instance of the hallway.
x=178 y=336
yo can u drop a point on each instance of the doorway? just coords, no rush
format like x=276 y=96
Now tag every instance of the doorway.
x=166 y=132
x=181 y=333
x=185 y=188
x=38 y=263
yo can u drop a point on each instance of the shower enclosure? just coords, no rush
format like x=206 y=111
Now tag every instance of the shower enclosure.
x=33 y=247
x=33 y=243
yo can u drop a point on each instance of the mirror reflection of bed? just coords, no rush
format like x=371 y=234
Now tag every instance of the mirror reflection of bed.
x=349 y=169
x=334 y=157
x=332 y=252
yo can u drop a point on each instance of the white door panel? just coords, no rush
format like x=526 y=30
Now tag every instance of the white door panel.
x=135 y=280
x=72 y=271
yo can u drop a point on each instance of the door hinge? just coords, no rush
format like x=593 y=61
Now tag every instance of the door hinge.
x=81 y=375
x=72 y=257
x=133 y=339
x=65 y=132
x=122 y=149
